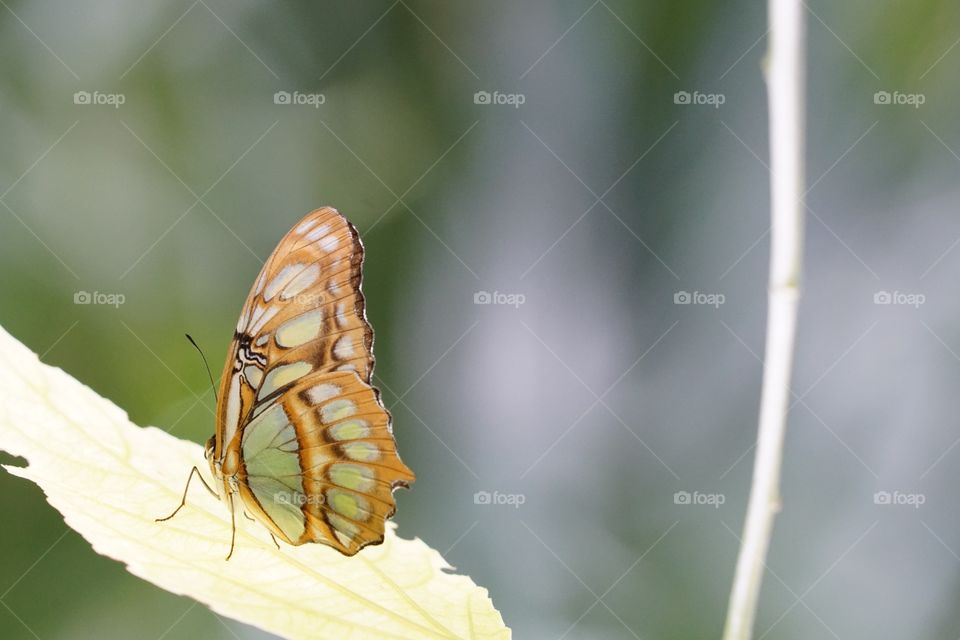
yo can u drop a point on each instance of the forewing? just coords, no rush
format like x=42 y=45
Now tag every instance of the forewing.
x=304 y=315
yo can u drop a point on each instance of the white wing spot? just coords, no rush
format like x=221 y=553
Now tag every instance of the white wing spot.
x=337 y=410
x=256 y=311
x=348 y=505
x=343 y=528
x=350 y=430
x=283 y=375
x=253 y=374
x=306 y=225
x=329 y=243
x=258 y=287
x=304 y=280
x=280 y=280
x=341 y=315
x=361 y=451
x=343 y=348
x=232 y=417
x=352 y=476
x=300 y=329
x=261 y=316
x=322 y=392
x=318 y=233
x=343 y=525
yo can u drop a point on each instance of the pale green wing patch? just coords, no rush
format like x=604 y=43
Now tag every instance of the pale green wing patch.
x=269 y=446
x=281 y=504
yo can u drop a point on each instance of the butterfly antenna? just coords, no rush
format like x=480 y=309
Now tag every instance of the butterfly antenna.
x=213 y=386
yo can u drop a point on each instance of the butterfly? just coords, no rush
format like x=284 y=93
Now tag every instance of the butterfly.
x=303 y=441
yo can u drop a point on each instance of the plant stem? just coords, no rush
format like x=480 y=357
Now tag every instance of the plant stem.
x=785 y=83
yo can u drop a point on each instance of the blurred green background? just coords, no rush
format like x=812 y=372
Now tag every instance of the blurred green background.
x=633 y=172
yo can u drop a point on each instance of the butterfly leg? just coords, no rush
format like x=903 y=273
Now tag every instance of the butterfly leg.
x=272 y=537
x=183 y=499
x=233 y=527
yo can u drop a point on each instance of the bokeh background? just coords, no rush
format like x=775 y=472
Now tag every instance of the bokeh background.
x=611 y=426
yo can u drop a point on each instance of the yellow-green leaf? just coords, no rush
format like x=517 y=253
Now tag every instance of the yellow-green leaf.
x=110 y=479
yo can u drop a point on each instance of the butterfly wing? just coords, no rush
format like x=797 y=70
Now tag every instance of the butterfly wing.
x=303 y=329
x=305 y=310
x=321 y=463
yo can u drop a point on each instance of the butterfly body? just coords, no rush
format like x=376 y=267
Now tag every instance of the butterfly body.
x=303 y=442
